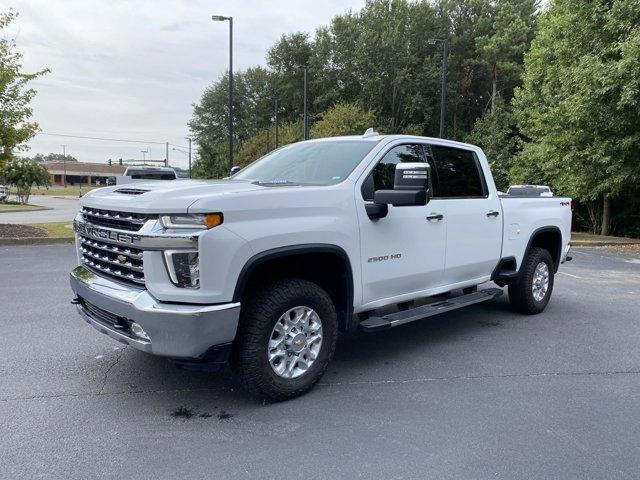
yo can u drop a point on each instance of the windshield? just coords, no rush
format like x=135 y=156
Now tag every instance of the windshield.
x=313 y=163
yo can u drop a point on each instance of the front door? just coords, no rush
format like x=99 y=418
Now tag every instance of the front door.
x=403 y=252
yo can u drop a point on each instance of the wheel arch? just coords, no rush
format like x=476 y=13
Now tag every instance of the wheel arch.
x=323 y=263
x=549 y=238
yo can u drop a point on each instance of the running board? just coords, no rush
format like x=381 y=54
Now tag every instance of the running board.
x=374 y=324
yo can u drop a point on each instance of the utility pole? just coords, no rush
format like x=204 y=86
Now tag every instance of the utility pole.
x=221 y=18
x=305 y=112
x=443 y=79
x=64 y=165
x=166 y=158
x=276 y=121
x=189 y=139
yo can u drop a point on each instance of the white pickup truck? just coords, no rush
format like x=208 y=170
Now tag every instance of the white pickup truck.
x=263 y=269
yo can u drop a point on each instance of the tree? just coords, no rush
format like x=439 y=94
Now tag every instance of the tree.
x=495 y=133
x=579 y=106
x=23 y=173
x=253 y=106
x=15 y=96
x=264 y=141
x=54 y=157
x=343 y=119
x=502 y=48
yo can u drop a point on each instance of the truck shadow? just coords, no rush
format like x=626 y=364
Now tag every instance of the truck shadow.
x=192 y=395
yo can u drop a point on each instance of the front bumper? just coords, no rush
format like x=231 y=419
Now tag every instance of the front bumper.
x=179 y=331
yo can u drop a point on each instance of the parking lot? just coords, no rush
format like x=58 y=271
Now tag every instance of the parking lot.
x=479 y=393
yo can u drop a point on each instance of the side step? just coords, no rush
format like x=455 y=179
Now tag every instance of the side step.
x=374 y=324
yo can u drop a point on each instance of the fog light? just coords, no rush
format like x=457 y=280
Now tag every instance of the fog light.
x=183 y=268
x=138 y=331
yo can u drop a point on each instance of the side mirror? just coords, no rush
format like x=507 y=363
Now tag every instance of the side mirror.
x=410 y=186
x=234 y=170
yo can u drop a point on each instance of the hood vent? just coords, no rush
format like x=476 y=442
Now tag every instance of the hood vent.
x=131 y=191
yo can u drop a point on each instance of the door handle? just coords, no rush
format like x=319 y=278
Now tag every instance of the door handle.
x=435 y=216
x=493 y=213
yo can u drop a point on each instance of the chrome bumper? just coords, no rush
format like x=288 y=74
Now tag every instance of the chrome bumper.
x=175 y=330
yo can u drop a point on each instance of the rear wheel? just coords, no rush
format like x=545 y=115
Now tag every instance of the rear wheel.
x=531 y=293
x=287 y=335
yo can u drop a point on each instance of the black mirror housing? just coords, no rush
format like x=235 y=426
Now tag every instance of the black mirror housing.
x=401 y=198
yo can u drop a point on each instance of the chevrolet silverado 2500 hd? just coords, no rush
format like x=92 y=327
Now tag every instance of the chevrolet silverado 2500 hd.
x=266 y=267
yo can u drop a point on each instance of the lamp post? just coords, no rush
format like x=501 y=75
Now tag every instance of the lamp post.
x=305 y=94
x=443 y=79
x=220 y=18
x=64 y=165
x=189 y=140
x=276 y=120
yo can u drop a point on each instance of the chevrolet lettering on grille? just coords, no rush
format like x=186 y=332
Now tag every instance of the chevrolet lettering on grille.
x=95 y=232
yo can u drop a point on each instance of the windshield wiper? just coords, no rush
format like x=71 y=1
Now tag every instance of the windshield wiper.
x=274 y=182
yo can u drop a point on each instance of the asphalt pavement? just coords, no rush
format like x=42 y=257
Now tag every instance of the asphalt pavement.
x=59 y=209
x=478 y=393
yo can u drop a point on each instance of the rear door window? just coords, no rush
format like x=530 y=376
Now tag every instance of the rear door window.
x=458 y=173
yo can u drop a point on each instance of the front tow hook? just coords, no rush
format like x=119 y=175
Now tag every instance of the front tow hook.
x=75 y=301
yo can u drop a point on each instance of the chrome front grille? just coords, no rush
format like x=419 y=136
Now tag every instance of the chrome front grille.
x=121 y=263
x=131 y=222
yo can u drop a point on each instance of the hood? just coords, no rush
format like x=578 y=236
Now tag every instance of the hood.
x=162 y=196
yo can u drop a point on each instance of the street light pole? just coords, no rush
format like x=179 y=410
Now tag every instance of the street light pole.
x=305 y=112
x=64 y=165
x=276 y=120
x=443 y=80
x=189 y=139
x=220 y=18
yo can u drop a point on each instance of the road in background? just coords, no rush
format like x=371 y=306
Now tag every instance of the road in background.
x=61 y=209
x=478 y=393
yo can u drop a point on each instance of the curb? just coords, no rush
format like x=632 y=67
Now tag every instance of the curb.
x=37 y=240
x=25 y=210
x=600 y=243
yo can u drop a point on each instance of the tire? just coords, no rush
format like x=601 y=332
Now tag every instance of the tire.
x=250 y=359
x=521 y=294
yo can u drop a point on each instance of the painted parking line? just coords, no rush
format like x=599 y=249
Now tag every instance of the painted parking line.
x=569 y=275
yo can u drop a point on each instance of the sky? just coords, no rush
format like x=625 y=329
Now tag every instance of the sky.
x=133 y=69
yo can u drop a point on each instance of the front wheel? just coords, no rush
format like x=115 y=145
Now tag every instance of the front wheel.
x=286 y=339
x=531 y=293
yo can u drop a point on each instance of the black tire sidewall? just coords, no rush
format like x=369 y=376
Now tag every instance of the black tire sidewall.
x=327 y=316
x=524 y=294
x=250 y=359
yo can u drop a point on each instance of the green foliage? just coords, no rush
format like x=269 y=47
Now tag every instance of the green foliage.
x=579 y=106
x=23 y=173
x=343 y=119
x=253 y=104
x=15 y=96
x=54 y=157
x=264 y=141
x=379 y=58
x=495 y=133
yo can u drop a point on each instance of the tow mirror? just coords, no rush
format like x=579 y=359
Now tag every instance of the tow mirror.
x=410 y=186
x=234 y=170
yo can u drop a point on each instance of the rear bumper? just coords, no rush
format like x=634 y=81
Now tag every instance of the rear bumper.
x=180 y=331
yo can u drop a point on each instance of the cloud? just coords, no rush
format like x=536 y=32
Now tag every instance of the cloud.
x=133 y=69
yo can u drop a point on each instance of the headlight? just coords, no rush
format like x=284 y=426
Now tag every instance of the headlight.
x=191 y=221
x=183 y=267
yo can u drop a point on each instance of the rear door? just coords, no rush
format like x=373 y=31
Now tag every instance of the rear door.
x=402 y=253
x=474 y=223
